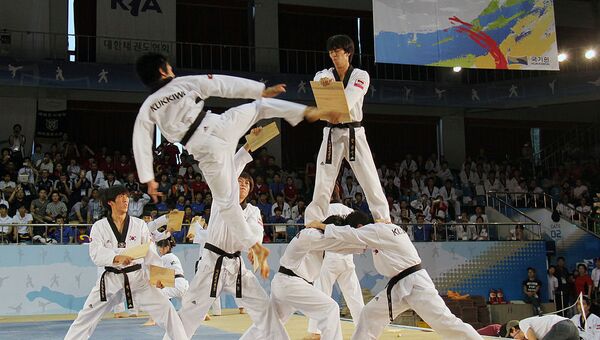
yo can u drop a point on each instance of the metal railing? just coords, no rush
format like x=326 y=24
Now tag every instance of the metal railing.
x=507 y=209
x=545 y=201
x=285 y=232
x=220 y=57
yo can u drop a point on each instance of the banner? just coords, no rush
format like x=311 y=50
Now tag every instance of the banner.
x=50 y=125
x=489 y=34
x=125 y=29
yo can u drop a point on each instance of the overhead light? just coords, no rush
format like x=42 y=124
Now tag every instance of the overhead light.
x=590 y=54
x=457 y=69
x=562 y=57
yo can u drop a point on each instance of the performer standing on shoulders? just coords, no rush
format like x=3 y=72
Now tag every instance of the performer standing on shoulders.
x=346 y=141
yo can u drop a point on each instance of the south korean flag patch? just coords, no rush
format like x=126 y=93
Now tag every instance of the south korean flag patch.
x=360 y=84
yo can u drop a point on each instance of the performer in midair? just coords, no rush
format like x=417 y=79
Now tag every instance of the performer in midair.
x=176 y=106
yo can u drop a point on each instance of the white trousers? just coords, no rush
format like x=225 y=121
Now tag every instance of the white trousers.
x=290 y=294
x=197 y=300
x=214 y=143
x=337 y=270
x=181 y=286
x=145 y=297
x=416 y=292
x=363 y=167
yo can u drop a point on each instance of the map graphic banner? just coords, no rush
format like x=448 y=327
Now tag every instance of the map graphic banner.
x=489 y=34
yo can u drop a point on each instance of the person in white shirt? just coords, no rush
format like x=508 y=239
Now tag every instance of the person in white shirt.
x=596 y=276
x=445 y=174
x=137 y=203
x=349 y=189
x=6 y=230
x=580 y=190
x=109 y=181
x=449 y=195
x=432 y=163
x=95 y=176
x=410 y=287
x=280 y=202
x=170 y=261
x=292 y=287
x=492 y=183
x=546 y=327
x=45 y=163
x=339 y=268
x=176 y=106
x=124 y=277
x=348 y=140
x=583 y=207
x=22 y=232
x=587 y=323
x=552 y=283
x=7 y=186
x=430 y=190
x=408 y=164
x=221 y=269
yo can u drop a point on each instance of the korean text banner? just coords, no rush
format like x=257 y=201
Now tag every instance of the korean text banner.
x=489 y=34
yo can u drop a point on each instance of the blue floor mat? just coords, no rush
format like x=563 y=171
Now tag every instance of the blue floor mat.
x=112 y=329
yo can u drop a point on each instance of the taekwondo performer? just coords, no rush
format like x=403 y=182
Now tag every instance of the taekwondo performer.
x=410 y=287
x=338 y=268
x=348 y=140
x=176 y=106
x=221 y=268
x=124 y=277
x=292 y=289
x=171 y=261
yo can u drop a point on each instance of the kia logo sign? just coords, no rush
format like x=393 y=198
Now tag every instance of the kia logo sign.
x=134 y=6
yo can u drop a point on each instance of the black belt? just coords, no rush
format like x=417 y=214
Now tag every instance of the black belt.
x=395 y=280
x=351 y=142
x=288 y=272
x=192 y=128
x=217 y=272
x=179 y=276
x=126 y=285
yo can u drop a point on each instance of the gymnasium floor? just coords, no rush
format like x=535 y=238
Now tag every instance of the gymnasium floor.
x=227 y=327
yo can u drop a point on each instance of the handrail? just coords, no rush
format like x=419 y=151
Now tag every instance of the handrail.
x=512 y=207
x=223 y=57
x=545 y=201
x=446 y=228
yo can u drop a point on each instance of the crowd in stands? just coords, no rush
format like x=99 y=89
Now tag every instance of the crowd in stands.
x=60 y=184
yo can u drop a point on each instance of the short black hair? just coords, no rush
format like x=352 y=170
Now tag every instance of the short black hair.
x=335 y=220
x=3 y=206
x=148 y=66
x=531 y=268
x=110 y=194
x=357 y=218
x=167 y=242
x=341 y=41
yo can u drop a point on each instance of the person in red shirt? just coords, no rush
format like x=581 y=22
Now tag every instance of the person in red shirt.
x=198 y=185
x=260 y=187
x=123 y=167
x=583 y=282
x=289 y=191
x=180 y=188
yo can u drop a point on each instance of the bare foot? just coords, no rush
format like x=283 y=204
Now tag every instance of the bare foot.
x=120 y=315
x=207 y=317
x=312 y=336
x=150 y=322
x=312 y=114
x=260 y=255
x=242 y=310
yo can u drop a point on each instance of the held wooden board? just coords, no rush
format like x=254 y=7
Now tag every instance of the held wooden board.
x=175 y=220
x=137 y=252
x=166 y=276
x=331 y=98
x=266 y=134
